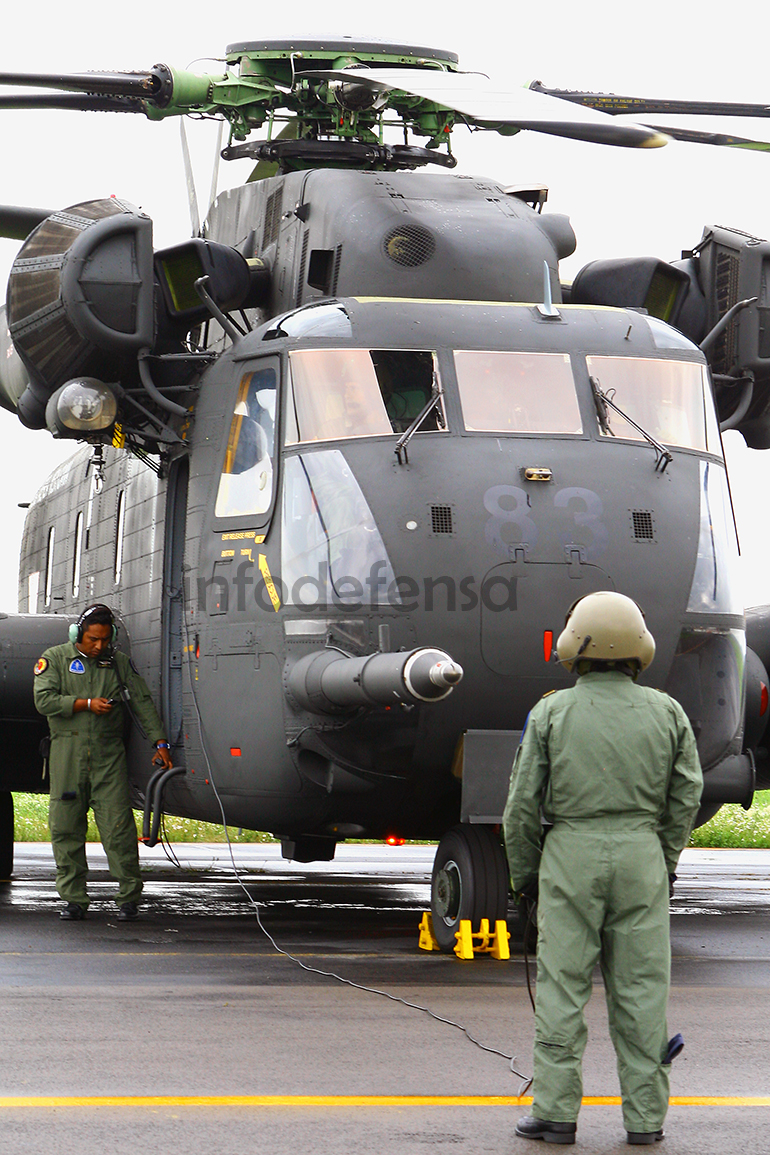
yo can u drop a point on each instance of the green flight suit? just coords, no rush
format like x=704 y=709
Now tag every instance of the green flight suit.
x=88 y=765
x=614 y=767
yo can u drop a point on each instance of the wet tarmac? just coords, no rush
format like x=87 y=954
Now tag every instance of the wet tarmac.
x=188 y=1029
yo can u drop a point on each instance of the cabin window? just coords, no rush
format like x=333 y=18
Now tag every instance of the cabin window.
x=670 y=400
x=77 y=558
x=119 y=528
x=344 y=393
x=33 y=589
x=246 y=484
x=505 y=392
x=49 y=567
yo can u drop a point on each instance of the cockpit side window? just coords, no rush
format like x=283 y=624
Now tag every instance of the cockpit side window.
x=344 y=393
x=246 y=483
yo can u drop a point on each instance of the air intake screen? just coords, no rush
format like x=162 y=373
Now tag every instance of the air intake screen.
x=409 y=245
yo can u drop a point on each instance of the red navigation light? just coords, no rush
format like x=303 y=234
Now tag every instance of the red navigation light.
x=547 y=644
x=763 y=700
x=235 y=751
x=394 y=840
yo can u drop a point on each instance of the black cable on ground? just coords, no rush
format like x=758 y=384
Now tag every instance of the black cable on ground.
x=526 y=1080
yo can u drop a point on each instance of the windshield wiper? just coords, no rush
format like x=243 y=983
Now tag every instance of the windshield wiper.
x=436 y=394
x=601 y=400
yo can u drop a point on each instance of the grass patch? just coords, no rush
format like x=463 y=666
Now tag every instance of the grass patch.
x=731 y=827
x=31 y=825
x=734 y=827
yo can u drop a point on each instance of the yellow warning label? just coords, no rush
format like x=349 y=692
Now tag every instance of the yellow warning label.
x=272 y=592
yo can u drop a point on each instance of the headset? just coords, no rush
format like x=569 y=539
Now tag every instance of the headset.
x=78 y=628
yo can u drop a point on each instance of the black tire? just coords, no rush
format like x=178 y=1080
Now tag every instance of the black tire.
x=470 y=881
x=6 y=835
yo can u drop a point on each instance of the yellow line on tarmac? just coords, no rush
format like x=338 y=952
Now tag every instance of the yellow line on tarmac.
x=9 y=1101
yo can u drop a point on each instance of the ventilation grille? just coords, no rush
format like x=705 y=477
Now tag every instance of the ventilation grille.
x=409 y=245
x=727 y=272
x=644 y=529
x=273 y=210
x=336 y=273
x=302 y=267
x=441 y=519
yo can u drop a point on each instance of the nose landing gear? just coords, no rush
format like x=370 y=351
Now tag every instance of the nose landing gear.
x=470 y=881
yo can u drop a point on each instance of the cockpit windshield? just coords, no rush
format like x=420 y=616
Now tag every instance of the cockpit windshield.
x=504 y=392
x=343 y=393
x=671 y=400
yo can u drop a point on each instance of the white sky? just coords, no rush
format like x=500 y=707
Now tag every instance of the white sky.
x=621 y=202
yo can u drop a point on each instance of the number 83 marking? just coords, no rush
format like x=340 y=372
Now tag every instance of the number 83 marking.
x=586 y=515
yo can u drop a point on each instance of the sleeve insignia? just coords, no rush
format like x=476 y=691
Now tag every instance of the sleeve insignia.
x=41 y=665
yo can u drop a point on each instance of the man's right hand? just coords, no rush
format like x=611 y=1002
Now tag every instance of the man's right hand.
x=101 y=706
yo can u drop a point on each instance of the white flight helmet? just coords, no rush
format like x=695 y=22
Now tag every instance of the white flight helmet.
x=608 y=627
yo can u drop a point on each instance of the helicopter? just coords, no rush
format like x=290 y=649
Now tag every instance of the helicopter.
x=351 y=451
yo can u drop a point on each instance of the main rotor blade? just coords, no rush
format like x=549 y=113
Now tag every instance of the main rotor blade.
x=485 y=103
x=17 y=222
x=72 y=101
x=697 y=136
x=623 y=105
x=142 y=84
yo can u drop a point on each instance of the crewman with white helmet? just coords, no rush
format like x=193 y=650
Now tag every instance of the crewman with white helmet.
x=614 y=768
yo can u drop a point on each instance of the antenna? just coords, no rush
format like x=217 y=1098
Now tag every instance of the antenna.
x=547 y=308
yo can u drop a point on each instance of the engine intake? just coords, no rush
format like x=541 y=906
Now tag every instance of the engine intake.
x=81 y=298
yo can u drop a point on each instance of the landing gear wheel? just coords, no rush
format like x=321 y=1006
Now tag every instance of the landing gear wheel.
x=470 y=881
x=6 y=835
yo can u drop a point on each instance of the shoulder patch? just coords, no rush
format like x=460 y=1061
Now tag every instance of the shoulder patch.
x=77 y=667
x=41 y=665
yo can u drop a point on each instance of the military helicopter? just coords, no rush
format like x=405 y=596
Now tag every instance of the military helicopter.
x=351 y=450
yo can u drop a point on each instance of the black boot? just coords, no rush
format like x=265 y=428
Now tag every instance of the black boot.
x=72 y=912
x=642 y=1137
x=531 y=1128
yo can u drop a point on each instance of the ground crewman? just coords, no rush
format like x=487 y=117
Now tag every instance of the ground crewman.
x=614 y=767
x=81 y=687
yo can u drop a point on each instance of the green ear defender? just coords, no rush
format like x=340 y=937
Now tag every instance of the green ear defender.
x=77 y=629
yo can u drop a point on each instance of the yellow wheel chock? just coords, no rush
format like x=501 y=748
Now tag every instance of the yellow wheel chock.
x=469 y=944
x=427 y=937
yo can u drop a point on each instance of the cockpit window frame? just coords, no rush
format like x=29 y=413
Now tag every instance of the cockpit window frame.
x=712 y=442
x=562 y=355
x=258 y=521
x=293 y=434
